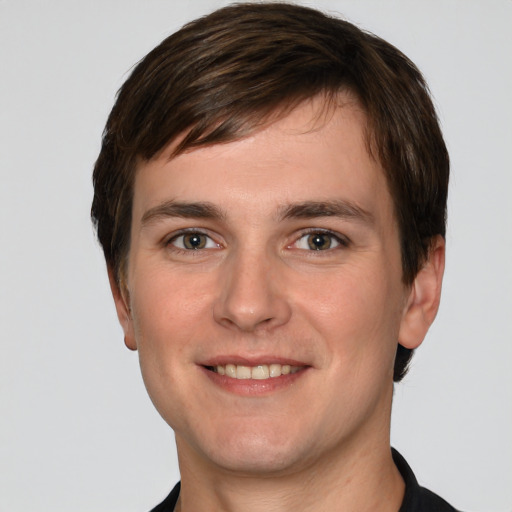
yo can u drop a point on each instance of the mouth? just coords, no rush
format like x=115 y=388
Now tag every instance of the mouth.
x=259 y=372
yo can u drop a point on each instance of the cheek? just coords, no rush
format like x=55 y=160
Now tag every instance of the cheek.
x=356 y=311
x=167 y=304
x=168 y=312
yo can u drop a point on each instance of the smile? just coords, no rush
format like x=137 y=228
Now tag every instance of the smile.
x=259 y=372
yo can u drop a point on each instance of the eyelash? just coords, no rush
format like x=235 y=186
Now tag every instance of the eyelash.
x=341 y=241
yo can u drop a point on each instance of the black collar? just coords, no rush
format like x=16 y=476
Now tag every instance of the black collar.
x=417 y=498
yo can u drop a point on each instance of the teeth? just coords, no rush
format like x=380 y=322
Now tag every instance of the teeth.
x=243 y=372
x=230 y=370
x=275 y=370
x=260 y=372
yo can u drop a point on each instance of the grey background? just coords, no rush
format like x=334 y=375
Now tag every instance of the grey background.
x=77 y=431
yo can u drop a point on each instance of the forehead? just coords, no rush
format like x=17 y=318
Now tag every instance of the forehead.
x=318 y=151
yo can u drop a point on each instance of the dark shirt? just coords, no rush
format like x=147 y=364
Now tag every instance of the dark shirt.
x=416 y=498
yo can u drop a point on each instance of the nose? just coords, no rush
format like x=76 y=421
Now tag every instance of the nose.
x=253 y=295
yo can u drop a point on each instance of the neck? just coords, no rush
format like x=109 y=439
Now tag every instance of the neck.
x=364 y=479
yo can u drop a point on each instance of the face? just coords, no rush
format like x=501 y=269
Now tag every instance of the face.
x=264 y=293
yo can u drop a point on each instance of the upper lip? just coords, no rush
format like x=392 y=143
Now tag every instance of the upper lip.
x=251 y=360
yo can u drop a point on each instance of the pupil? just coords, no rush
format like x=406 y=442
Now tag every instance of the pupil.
x=319 y=241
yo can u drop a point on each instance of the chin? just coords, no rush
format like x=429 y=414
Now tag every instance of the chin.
x=255 y=460
x=253 y=451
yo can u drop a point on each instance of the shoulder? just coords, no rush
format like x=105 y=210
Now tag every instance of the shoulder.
x=170 y=502
x=427 y=501
x=417 y=498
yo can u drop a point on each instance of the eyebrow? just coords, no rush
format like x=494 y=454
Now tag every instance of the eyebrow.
x=196 y=210
x=332 y=208
x=304 y=210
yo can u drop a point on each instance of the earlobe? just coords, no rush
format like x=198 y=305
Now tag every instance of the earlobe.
x=424 y=297
x=121 y=301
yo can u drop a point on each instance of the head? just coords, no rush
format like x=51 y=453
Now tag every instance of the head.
x=225 y=76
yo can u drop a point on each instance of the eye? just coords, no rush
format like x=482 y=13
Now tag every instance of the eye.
x=318 y=241
x=193 y=241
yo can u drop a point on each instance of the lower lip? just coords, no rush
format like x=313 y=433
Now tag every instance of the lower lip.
x=254 y=387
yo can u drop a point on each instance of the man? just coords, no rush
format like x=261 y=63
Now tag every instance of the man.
x=271 y=200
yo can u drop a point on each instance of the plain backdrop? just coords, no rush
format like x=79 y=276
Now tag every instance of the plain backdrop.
x=77 y=430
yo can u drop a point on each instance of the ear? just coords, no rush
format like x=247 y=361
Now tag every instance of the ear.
x=424 y=297
x=124 y=314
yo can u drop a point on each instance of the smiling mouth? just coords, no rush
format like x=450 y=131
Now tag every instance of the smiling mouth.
x=259 y=372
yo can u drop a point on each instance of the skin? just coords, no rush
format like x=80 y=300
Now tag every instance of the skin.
x=258 y=292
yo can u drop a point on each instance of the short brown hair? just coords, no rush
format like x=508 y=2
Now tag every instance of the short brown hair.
x=222 y=76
